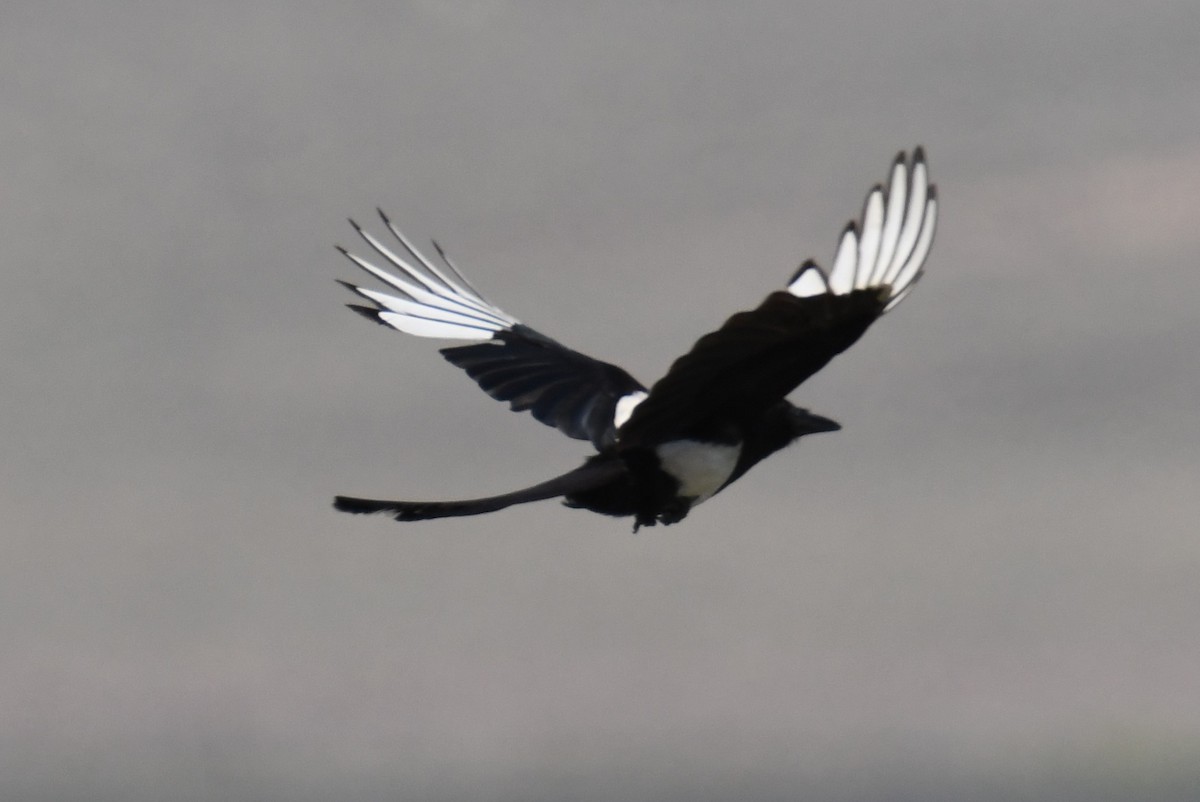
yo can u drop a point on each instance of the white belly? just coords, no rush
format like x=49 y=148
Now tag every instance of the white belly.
x=700 y=468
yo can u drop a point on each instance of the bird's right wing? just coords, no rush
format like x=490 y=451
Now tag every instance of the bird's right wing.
x=582 y=397
x=757 y=357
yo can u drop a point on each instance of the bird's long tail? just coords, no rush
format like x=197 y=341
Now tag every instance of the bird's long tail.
x=592 y=474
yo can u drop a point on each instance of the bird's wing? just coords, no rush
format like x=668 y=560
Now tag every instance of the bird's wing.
x=759 y=356
x=582 y=397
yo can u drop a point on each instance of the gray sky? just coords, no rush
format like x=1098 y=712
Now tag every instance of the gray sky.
x=985 y=587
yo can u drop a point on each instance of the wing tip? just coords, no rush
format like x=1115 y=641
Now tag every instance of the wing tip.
x=370 y=313
x=423 y=286
x=908 y=225
x=807 y=264
x=898 y=225
x=809 y=280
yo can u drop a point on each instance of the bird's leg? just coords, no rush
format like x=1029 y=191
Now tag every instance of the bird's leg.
x=675 y=511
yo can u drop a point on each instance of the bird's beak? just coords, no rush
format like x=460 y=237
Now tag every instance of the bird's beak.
x=814 y=424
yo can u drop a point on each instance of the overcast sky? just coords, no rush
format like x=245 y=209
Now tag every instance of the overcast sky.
x=986 y=586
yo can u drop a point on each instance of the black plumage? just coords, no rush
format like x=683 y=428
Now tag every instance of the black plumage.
x=719 y=410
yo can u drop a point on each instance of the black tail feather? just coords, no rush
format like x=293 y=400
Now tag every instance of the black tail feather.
x=422 y=510
x=595 y=473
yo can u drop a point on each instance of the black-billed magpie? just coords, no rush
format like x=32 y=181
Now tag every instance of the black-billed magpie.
x=718 y=411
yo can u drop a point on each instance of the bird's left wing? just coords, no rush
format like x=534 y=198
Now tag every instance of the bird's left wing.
x=758 y=357
x=582 y=397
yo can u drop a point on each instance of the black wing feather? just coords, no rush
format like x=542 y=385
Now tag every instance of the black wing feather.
x=751 y=362
x=511 y=362
x=570 y=391
x=739 y=371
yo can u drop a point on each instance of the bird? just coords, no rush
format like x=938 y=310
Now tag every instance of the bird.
x=720 y=409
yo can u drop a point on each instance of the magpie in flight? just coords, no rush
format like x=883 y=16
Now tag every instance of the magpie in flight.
x=718 y=411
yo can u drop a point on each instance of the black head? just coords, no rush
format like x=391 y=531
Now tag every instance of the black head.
x=781 y=424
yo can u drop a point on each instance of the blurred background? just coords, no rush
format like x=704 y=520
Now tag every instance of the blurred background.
x=985 y=587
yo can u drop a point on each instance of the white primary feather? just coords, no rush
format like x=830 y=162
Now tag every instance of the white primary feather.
x=872 y=233
x=841 y=275
x=809 y=281
x=888 y=246
x=432 y=302
x=893 y=214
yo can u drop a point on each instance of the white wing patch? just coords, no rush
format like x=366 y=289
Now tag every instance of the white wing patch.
x=888 y=245
x=626 y=404
x=432 y=301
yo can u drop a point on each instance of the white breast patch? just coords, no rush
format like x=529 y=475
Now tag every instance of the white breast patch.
x=700 y=468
